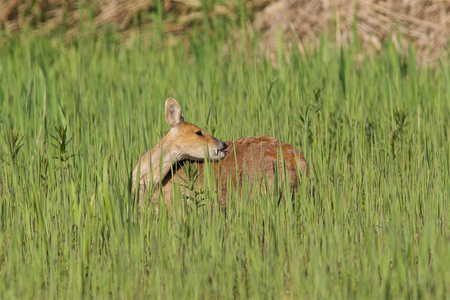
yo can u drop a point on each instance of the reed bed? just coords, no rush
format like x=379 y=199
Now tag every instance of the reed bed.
x=371 y=221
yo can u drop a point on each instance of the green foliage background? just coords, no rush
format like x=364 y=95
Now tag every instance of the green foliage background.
x=371 y=221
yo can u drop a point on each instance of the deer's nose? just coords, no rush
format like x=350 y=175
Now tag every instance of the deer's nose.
x=224 y=147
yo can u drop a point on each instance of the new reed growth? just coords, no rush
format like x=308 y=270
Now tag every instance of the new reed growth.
x=371 y=221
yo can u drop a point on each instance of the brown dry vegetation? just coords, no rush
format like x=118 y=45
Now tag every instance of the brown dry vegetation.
x=426 y=23
x=47 y=16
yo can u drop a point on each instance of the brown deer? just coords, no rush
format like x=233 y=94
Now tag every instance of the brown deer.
x=255 y=159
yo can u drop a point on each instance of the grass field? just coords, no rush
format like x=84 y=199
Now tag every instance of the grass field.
x=371 y=221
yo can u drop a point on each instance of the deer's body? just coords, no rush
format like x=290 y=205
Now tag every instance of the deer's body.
x=260 y=160
x=256 y=161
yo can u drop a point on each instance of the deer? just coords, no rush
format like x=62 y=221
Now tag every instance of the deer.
x=254 y=159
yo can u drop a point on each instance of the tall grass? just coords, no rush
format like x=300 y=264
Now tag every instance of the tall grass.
x=370 y=222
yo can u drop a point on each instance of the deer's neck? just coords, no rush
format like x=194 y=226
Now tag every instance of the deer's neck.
x=162 y=157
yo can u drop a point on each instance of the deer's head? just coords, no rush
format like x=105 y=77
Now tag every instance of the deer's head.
x=189 y=141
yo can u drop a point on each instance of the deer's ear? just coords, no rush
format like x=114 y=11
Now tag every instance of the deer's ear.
x=174 y=116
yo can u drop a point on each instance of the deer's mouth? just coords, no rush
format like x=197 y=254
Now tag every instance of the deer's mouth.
x=221 y=153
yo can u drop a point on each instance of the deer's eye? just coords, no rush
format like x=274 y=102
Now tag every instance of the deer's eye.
x=199 y=133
